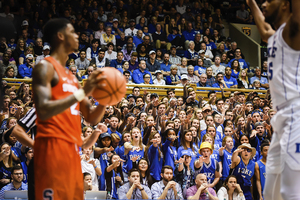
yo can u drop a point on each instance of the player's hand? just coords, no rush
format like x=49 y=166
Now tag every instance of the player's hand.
x=93 y=82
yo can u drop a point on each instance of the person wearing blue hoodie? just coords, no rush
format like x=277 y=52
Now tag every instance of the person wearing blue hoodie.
x=155 y=155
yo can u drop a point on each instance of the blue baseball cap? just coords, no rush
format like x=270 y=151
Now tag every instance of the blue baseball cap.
x=104 y=135
x=186 y=152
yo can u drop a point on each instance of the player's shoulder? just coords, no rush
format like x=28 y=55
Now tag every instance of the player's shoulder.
x=43 y=69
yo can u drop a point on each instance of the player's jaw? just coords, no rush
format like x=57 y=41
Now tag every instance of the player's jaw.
x=271 y=11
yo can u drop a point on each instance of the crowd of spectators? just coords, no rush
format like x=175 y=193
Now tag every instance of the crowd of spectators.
x=177 y=146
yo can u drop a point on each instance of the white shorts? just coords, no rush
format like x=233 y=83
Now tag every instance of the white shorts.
x=285 y=144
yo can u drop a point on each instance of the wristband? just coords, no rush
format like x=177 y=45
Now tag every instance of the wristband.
x=141 y=189
x=79 y=94
x=95 y=167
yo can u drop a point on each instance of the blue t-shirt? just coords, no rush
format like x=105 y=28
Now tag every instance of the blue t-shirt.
x=242 y=62
x=235 y=75
x=230 y=81
x=137 y=76
x=194 y=154
x=211 y=46
x=226 y=163
x=156 y=163
x=189 y=35
x=200 y=69
x=165 y=67
x=131 y=154
x=170 y=154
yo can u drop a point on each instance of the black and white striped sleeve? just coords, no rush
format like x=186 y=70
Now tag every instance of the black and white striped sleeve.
x=28 y=121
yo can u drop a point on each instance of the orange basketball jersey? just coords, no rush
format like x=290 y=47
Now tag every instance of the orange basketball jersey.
x=65 y=125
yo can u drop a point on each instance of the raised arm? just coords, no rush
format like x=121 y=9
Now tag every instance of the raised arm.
x=264 y=28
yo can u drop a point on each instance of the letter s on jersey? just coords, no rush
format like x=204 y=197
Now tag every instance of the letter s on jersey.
x=48 y=194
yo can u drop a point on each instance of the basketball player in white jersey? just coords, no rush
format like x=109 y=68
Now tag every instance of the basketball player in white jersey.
x=283 y=165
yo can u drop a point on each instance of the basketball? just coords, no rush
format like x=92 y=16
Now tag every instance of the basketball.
x=114 y=90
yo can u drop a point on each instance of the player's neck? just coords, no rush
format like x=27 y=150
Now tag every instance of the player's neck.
x=60 y=55
x=282 y=20
x=263 y=160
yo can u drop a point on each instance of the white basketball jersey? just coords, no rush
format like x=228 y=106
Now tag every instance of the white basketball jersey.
x=283 y=69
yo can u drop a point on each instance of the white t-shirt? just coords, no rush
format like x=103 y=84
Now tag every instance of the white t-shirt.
x=86 y=167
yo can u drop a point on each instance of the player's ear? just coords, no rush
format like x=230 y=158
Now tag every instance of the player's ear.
x=60 y=35
x=285 y=5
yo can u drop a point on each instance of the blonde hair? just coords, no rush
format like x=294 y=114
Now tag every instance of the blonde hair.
x=140 y=142
x=240 y=76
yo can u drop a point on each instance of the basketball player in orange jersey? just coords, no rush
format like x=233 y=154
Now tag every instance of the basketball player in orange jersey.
x=59 y=100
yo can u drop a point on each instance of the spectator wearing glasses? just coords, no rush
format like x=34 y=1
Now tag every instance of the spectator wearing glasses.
x=25 y=70
x=17 y=176
x=238 y=56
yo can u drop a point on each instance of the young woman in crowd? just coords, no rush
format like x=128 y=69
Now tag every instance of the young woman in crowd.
x=114 y=175
x=184 y=173
x=231 y=190
x=170 y=148
x=6 y=164
x=187 y=144
x=143 y=167
x=19 y=50
x=196 y=138
x=225 y=154
x=235 y=69
x=243 y=167
x=243 y=80
x=155 y=155
x=135 y=148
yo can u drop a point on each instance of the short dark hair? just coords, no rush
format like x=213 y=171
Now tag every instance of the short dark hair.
x=126 y=72
x=135 y=87
x=94 y=41
x=211 y=92
x=265 y=143
x=170 y=90
x=219 y=99
x=52 y=27
x=166 y=167
x=133 y=170
x=16 y=167
x=86 y=174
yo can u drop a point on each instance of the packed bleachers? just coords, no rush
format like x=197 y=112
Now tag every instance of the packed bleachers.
x=193 y=100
